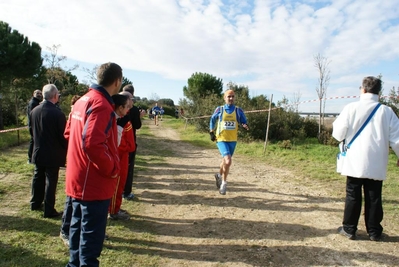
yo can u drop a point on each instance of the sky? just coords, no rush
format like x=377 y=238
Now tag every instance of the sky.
x=267 y=45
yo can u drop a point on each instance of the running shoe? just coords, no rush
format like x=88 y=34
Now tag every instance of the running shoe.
x=218 y=180
x=223 y=189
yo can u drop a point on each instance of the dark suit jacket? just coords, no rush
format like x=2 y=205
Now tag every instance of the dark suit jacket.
x=34 y=102
x=48 y=125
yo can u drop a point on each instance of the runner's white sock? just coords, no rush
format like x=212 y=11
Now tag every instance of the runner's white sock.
x=224 y=182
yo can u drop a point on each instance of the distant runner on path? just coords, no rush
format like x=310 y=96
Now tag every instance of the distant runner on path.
x=156 y=112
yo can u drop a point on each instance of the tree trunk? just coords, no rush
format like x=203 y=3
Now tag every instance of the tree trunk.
x=1 y=115
x=1 y=110
x=320 y=114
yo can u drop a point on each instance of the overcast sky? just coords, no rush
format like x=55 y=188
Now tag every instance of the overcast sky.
x=267 y=45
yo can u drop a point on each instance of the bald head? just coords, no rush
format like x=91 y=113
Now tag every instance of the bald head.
x=38 y=94
x=128 y=88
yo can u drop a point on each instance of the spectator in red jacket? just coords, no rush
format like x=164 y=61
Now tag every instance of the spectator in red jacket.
x=93 y=165
x=126 y=145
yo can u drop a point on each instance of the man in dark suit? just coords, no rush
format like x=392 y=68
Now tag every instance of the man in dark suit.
x=34 y=102
x=134 y=116
x=49 y=150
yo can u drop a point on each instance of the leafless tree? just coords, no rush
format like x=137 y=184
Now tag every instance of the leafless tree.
x=321 y=63
x=91 y=75
x=154 y=96
x=53 y=61
x=295 y=101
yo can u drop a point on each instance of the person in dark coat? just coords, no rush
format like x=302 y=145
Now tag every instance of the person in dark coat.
x=34 y=102
x=49 y=150
x=134 y=116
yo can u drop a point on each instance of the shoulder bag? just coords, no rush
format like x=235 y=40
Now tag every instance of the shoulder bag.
x=343 y=148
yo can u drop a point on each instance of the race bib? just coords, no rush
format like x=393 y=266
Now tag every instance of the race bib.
x=229 y=125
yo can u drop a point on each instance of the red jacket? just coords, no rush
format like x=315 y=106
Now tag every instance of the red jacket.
x=92 y=159
x=128 y=144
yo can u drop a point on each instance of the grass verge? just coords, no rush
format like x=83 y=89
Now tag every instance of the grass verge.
x=28 y=239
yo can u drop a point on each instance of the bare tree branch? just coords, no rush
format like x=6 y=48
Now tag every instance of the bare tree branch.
x=321 y=63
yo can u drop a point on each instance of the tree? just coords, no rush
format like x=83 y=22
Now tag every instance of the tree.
x=71 y=85
x=154 y=97
x=91 y=74
x=166 y=102
x=201 y=85
x=19 y=59
x=295 y=101
x=55 y=73
x=125 y=81
x=321 y=63
x=242 y=94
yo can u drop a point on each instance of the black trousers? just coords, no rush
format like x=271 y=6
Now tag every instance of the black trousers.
x=44 y=186
x=373 y=212
x=130 y=173
x=30 y=149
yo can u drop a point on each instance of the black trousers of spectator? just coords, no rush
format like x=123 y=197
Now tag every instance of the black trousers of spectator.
x=44 y=186
x=129 y=181
x=373 y=212
x=30 y=149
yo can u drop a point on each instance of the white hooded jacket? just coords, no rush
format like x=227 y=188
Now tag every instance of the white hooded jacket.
x=368 y=155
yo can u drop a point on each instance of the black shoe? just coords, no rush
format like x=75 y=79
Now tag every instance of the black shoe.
x=342 y=232
x=218 y=180
x=376 y=238
x=40 y=208
x=55 y=214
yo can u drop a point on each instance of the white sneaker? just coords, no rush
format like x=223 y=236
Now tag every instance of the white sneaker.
x=223 y=189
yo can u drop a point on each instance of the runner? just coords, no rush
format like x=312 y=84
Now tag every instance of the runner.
x=155 y=112
x=227 y=118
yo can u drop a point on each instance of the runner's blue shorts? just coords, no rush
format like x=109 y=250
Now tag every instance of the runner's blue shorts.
x=226 y=148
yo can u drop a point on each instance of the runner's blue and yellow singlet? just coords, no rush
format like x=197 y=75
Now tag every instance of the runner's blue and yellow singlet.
x=227 y=127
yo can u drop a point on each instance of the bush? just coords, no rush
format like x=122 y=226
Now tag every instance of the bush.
x=311 y=127
x=285 y=144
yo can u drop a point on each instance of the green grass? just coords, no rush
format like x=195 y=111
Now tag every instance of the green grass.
x=13 y=138
x=28 y=239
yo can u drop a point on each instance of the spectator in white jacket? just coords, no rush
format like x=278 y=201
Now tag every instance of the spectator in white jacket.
x=365 y=163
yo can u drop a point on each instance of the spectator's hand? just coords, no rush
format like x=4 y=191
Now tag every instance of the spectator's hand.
x=213 y=136
x=142 y=113
x=245 y=126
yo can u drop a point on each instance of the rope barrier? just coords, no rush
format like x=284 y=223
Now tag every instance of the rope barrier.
x=264 y=110
x=250 y=111
x=14 y=129
x=285 y=106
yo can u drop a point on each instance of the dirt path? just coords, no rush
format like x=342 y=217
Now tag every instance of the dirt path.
x=265 y=219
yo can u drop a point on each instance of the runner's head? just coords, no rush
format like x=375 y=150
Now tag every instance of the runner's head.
x=229 y=97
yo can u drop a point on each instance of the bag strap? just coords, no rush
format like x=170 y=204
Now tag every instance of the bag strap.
x=364 y=125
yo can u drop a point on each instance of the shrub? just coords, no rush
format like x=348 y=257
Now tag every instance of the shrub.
x=285 y=144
